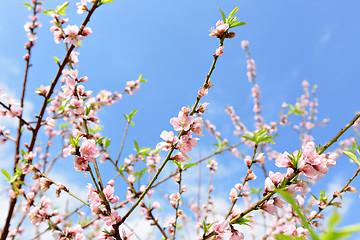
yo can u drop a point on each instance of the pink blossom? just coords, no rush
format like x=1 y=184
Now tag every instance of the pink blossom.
x=244 y=43
x=44 y=184
x=169 y=221
x=222 y=229
x=72 y=36
x=269 y=207
x=186 y=143
x=202 y=92
x=260 y=158
x=196 y=126
x=283 y=160
x=277 y=177
x=127 y=236
x=69 y=150
x=219 y=51
x=221 y=28
x=80 y=164
x=179 y=157
x=233 y=195
x=14 y=112
x=250 y=175
x=132 y=87
x=279 y=202
x=170 y=140
x=182 y=122
x=109 y=194
x=269 y=185
x=31 y=36
x=29 y=156
x=174 y=199
x=89 y=150
x=236 y=235
x=112 y=219
x=81 y=7
x=87 y=31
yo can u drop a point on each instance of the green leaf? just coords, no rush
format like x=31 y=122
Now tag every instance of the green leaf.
x=88 y=109
x=248 y=138
x=22 y=152
x=105 y=1
x=6 y=174
x=131 y=115
x=352 y=156
x=64 y=125
x=141 y=79
x=223 y=15
x=139 y=174
x=136 y=146
x=282 y=236
x=61 y=8
x=29 y=7
x=47 y=12
x=178 y=165
x=189 y=165
x=127 y=117
x=323 y=197
x=255 y=191
x=206 y=228
x=72 y=141
x=347 y=231
x=56 y=60
x=99 y=140
x=49 y=100
x=243 y=221
x=297 y=209
x=145 y=150
x=238 y=24
x=106 y=142
x=233 y=12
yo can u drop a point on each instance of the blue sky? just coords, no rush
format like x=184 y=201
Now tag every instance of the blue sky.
x=168 y=42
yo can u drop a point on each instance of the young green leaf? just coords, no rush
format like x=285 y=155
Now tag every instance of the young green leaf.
x=6 y=174
x=28 y=6
x=237 y=24
x=136 y=146
x=61 y=8
x=178 y=164
x=233 y=12
x=105 y=1
x=223 y=15
x=106 y=142
x=243 y=221
x=297 y=209
x=352 y=156
x=56 y=60
x=189 y=165
x=47 y=12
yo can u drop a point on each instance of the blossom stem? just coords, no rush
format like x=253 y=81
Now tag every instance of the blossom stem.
x=207 y=80
x=335 y=196
x=244 y=182
x=19 y=117
x=177 y=204
x=123 y=142
x=341 y=132
x=66 y=190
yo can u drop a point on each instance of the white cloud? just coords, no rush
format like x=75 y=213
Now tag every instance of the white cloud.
x=9 y=65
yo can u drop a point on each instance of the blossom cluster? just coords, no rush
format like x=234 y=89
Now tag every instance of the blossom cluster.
x=187 y=125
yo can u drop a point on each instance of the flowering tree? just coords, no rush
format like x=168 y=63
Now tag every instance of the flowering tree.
x=69 y=116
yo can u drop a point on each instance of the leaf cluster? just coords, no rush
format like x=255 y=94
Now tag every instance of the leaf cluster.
x=232 y=21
